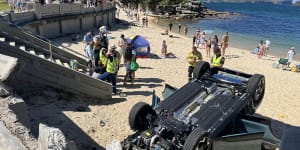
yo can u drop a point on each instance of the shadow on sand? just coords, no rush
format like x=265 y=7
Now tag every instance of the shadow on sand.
x=47 y=106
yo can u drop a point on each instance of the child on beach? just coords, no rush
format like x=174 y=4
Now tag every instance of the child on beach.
x=164 y=49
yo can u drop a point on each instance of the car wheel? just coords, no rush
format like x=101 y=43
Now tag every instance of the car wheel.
x=197 y=140
x=201 y=68
x=256 y=89
x=138 y=116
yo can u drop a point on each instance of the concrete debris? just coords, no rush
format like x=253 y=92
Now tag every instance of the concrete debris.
x=4 y=90
x=114 y=145
x=8 y=141
x=8 y=65
x=51 y=138
x=14 y=116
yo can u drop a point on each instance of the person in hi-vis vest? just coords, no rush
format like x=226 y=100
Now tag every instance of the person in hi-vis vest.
x=217 y=61
x=111 y=68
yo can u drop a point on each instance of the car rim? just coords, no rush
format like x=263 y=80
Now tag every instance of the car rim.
x=201 y=144
x=259 y=90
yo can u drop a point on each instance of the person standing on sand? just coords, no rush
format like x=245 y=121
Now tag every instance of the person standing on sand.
x=122 y=43
x=164 y=49
x=170 y=26
x=193 y=58
x=185 y=30
x=197 y=38
x=224 y=44
x=217 y=61
x=207 y=47
x=290 y=55
x=203 y=40
x=214 y=42
x=267 y=47
x=179 y=28
x=111 y=69
x=128 y=59
x=261 y=49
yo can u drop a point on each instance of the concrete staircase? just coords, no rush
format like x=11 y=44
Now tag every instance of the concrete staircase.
x=42 y=64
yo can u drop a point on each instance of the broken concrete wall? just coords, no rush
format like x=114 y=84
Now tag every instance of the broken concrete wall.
x=8 y=141
x=8 y=65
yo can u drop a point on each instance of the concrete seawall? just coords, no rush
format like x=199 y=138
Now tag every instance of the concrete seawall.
x=55 y=20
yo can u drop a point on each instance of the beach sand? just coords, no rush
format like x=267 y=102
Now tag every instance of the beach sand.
x=281 y=100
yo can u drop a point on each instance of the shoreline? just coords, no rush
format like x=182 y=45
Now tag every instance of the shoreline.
x=276 y=54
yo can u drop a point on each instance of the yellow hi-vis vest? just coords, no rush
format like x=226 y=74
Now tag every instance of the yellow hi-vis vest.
x=216 y=61
x=194 y=56
x=112 y=66
x=102 y=57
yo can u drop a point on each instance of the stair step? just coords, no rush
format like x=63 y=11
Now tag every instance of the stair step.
x=58 y=61
x=2 y=39
x=22 y=48
x=80 y=70
x=31 y=51
x=42 y=56
x=12 y=43
x=67 y=65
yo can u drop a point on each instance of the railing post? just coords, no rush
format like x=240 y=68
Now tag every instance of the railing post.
x=50 y=48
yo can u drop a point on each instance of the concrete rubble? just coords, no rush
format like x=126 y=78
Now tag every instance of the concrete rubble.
x=51 y=138
x=8 y=141
x=8 y=65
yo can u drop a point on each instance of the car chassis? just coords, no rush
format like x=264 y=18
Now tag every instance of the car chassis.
x=214 y=111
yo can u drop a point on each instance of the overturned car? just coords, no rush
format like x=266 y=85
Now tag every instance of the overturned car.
x=213 y=111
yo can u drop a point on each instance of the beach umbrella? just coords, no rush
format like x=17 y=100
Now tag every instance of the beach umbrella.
x=141 y=45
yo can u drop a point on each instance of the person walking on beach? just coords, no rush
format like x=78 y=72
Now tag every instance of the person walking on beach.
x=193 y=58
x=185 y=30
x=224 y=44
x=208 y=47
x=290 y=55
x=179 y=28
x=267 y=47
x=170 y=26
x=164 y=49
x=122 y=43
x=261 y=49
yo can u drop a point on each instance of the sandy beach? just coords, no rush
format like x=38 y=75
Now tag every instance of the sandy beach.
x=280 y=101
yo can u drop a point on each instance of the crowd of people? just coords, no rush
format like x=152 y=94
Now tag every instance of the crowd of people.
x=200 y=42
x=104 y=61
x=17 y=5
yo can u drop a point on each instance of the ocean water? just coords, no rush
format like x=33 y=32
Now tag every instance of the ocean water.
x=279 y=23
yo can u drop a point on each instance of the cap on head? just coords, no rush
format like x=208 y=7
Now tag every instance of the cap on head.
x=293 y=48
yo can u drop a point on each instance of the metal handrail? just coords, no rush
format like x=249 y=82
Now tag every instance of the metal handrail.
x=44 y=39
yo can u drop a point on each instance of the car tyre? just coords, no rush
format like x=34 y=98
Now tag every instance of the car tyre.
x=201 y=68
x=138 y=116
x=256 y=89
x=197 y=140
